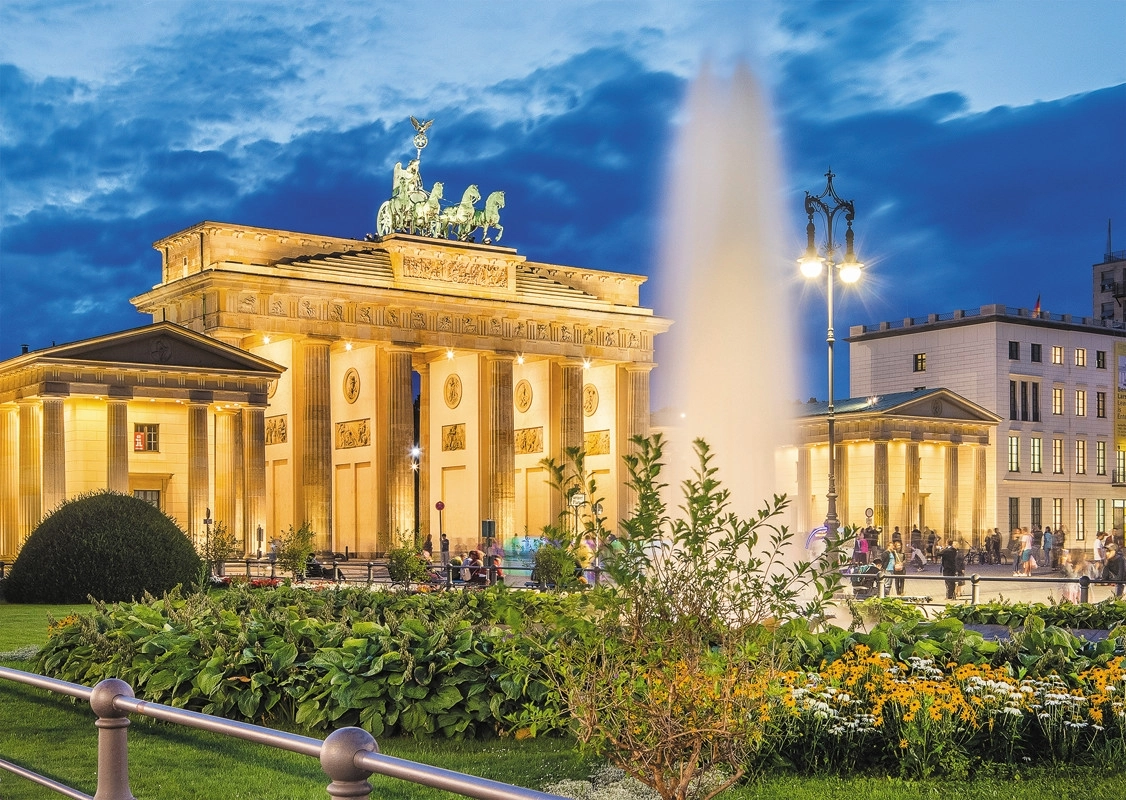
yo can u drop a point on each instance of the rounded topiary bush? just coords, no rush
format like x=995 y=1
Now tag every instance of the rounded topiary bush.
x=103 y=544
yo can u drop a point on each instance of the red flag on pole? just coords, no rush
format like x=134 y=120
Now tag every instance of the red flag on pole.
x=1036 y=308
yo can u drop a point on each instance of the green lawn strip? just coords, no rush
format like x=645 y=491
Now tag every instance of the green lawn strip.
x=22 y=625
x=56 y=737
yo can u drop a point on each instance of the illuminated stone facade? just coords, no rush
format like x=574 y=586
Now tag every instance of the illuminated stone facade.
x=159 y=411
x=511 y=361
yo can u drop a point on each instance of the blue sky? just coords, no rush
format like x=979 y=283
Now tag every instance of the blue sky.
x=982 y=142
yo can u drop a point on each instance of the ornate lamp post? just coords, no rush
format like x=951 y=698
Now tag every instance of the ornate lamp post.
x=811 y=264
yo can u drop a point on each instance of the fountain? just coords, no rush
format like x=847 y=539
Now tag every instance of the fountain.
x=726 y=366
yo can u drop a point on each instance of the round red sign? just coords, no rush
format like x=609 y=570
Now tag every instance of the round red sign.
x=439 y=505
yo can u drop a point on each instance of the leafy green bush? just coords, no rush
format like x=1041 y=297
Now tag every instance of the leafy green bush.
x=103 y=544
x=296 y=547
x=1104 y=616
x=406 y=565
x=554 y=566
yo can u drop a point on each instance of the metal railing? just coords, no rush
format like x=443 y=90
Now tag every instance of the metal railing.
x=348 y=756
x=883 y=580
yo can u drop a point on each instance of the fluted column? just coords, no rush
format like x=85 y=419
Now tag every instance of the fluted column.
x=842 y=476
x=977 y=520
x=805 y=491
x=570 y=405
x=501 y=478
x=424 y=460
x=117 y=445
x=31 y=467
x=400 y=408
x=9 y=480
x=316 y=443
x=911 y=473
x=633 y=420
x=254 y=473
x=197 y=469
x=229 y=472
x=950 y=493
x=54 y=454
x=881 y=490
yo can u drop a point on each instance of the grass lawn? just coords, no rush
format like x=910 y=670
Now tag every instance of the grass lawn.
x=56 y=737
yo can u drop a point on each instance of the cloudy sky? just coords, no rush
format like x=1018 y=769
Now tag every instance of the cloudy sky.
x=981 y=141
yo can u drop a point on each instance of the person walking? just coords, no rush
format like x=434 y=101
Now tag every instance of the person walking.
x=895 y=566
x=1115 y=569
x=948 y=558
x=1025 y=567
x=1047 y=541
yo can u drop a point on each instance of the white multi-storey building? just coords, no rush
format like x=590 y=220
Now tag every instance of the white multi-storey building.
x=1058 y=383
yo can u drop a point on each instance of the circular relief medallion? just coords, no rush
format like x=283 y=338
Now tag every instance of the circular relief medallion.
x=452 y=391
x=351 y=385
x=271 y=389
x=522 y=396
x=590 y=399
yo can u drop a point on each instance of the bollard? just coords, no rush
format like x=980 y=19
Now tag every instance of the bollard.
x=449 y=576
x=1085 y=589
x=369 y=573
x=883 y=586
x=338 y=760
x=335 y=570
x=974 y=588
x=248 y=569
x=113 y=742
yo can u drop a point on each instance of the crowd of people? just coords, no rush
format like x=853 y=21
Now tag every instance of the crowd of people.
x=1027 y=550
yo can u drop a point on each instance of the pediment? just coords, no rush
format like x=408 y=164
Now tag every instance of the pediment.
x=162 y=345
x=942 y=404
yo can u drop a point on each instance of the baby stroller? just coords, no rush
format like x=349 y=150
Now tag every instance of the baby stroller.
x=863 y=579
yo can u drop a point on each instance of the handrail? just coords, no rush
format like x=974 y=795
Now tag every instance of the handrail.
x=349 y=756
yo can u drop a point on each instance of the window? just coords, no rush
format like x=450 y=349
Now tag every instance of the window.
x=150 y=496
x=1120 y=460
x=1014 y=513
x=1035 y=402
x=1057 y=354
x=1080 y=456
x=1100 y=458
x=919 y=363
x=1100 y=405
x=1036 y=511
x=146 y=438
x=1080 y=402
x=1100 y=515
x=1080 y=356
x=1080 y=518
x=1057 y=512
x=1034 y=353
x=1100 y=359
x=1024 y=401
x=1014 y=454
x=1107 y=283
x=1057 y=456
x=1013 y=400
x=1034 y=452
x=1057 y=399
x=1014 y=351
x=1107 y=311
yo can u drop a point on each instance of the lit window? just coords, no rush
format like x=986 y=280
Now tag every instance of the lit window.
x=1080 y=456
x=920 y=362
x=1057 y=354
x=1100 y=405
x=1035 y=453
x=1035 y=402
x=1013 y=400
x=1100 y=359
x=150 y=496
x=1034 y=353
x=1100 y=514
x=1014 y=351
x=1014 y=454
x=1037 y=509
x=1014 y=513
x=1100 y=458
x=146 y=438
x=1080 y=402
x=1080 y=518
x=1080 y=356
x=1057 y=456
x=1057 y=512
x=1057 y=399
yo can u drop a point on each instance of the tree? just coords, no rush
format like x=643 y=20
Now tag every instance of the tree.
x=295 y=548
x=221 y=545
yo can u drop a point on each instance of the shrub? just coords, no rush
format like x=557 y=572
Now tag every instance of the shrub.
x=106 y=545
x=296 y=547
x=405 y=563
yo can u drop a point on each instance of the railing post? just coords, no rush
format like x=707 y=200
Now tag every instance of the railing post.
x=449 y=576
x=883 y=585
x=338 y=760
x=369 y=573
x=248 y=569
x=113 y=743
x=1085 y=589
x=335 y=570
x=973 y=589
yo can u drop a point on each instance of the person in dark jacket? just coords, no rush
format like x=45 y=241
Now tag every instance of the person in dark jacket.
x=948 y=556
x=1115 y=569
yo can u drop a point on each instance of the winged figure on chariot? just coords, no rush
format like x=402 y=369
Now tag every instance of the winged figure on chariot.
x=412 y=209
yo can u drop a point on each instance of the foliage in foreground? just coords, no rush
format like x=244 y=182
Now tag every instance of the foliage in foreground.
x=1105 y=615
x=107 y=545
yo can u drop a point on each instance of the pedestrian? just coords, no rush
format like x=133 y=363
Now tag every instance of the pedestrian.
x=1025 y=567
x=932 y=541
x=948 y=557
x=916 y=539
x=896 y=567
x=1099 y=554
x=496 y=558
x=1074 y=566
x=1038 y=543
x=1047 y=541
x=1115 y=568
x=444 y=550
x=896 y=536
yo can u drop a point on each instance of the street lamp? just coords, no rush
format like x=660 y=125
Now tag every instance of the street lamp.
x=811 y=264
